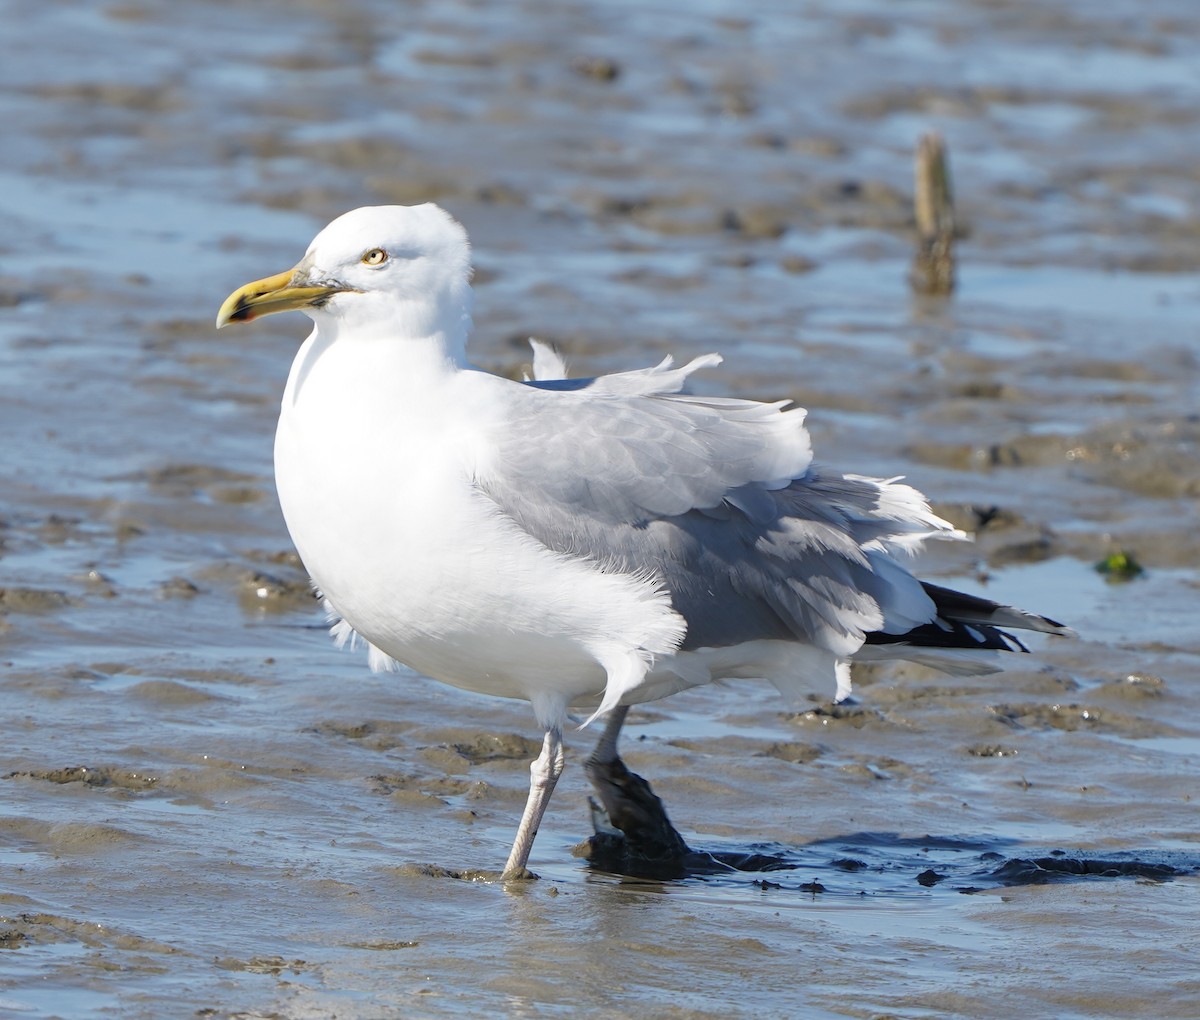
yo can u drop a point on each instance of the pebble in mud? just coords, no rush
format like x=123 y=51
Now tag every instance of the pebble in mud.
x=97 y=584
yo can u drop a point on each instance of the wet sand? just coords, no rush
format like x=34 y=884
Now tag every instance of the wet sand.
x=209 y=811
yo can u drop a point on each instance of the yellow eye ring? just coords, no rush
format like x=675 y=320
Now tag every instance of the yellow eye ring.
x=375 y=257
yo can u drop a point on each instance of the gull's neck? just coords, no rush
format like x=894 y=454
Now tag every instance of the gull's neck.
x=414 y=354
x=439 y=320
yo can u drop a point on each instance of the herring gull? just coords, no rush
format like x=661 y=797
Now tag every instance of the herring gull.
x=584 y=544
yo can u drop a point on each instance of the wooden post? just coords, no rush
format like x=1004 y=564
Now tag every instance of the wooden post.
x=933 y=265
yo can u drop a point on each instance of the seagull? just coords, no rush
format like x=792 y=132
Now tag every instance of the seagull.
x=582 y=544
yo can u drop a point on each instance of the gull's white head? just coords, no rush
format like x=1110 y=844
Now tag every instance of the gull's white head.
x=387 y=270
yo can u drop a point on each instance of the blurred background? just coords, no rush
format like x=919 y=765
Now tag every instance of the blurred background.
x=209 y=811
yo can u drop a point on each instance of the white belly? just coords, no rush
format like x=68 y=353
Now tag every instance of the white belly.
x=382 y=508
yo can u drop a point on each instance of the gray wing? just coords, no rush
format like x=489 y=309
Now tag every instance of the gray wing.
x=628 y=448
x=718 y=499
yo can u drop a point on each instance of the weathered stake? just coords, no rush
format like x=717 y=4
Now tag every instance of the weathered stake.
x=933 y=265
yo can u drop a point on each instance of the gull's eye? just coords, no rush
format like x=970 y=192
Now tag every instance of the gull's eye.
x=374 y=257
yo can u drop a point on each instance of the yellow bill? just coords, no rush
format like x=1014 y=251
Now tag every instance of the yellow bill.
x=284 y=292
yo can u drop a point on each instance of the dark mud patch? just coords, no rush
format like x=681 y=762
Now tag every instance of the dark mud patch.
x=219 y=676
x=1133 y=687
x=889 y=865
x=376 y=734
x=1075 y=716
x=1060 y=866
x=258 y=590
x=453 y=750
x=404 y=785
x=83 y=838
x=384 y=945
x=437 y=871
x=273 y=966
x=103 y=776
x=185 y=481
x=169 y=693
x=33 y=600
x=43 y=928
x=498 y=747
x=992 y=751
x=740 y=747
x=262 y=590
x=792 y=751
x=10 y=938
x=609 y=852
x=178 y=588
x=180 y=787
x=845 y=715
x=1157 y=460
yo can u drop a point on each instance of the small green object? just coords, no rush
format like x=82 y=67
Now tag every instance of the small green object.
x=1120 y=566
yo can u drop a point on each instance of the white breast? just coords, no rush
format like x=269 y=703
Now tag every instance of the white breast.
x=375 y=485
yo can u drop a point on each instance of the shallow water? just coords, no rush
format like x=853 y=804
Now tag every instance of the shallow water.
x=207 y=810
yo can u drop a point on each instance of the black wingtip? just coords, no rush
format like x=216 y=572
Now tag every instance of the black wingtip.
x=972 y=609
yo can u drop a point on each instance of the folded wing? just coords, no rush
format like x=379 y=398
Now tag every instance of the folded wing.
x=717 y=499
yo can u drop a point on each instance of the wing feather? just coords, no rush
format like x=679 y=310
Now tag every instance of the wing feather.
x=717 y=497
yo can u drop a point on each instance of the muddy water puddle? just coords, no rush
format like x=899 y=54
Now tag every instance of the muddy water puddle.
x=207 y=810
